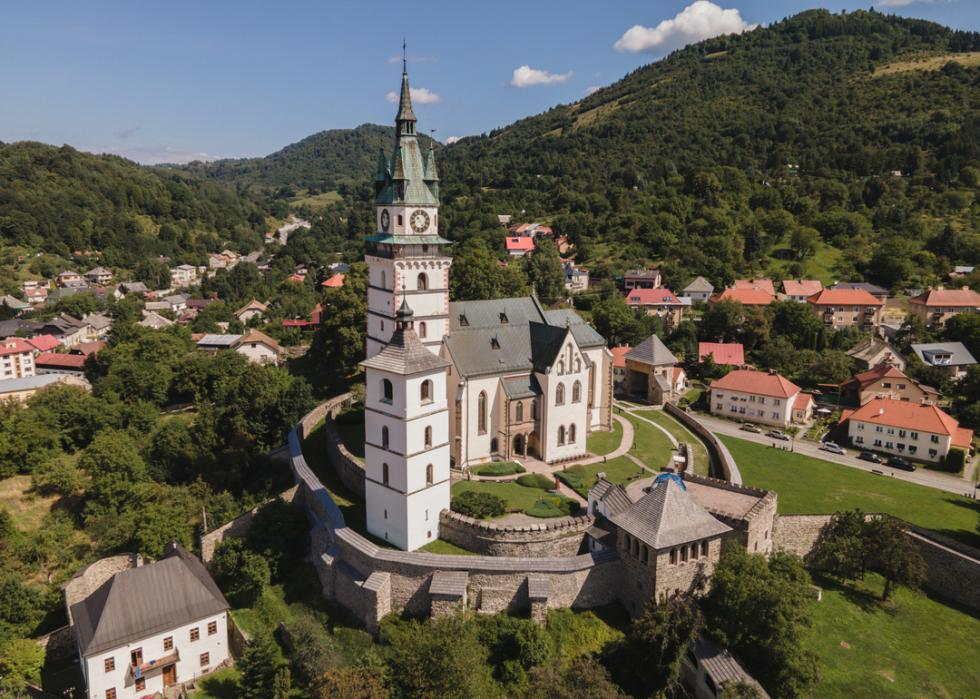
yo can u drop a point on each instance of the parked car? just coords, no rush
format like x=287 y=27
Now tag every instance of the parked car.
x=778 y=434
x=900 y=462
x=833 y=448
x=749 y=427
x=870 y=456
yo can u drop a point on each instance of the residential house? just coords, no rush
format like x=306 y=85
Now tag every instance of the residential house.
x=35 y=294
x=259 y=348
x=698 y=290
x=154 y=320
x=145 y=630
x=99 y=325
x=961 y=271
x=745 y=296
x=576 y=278
x=334 y=282
x=903 y=428
x=252 y=309
x=847 y=308
x=954 y=357
x=873 y=289
x=214 y=343
x=800 y=290
x=650 y=371
x=58 y=363
x=127 y=288
x=340 y=268
x=760 y=284
x=756 y=396
x=531 y=230
x=183 y=275
x=678 y=380
x=642 y=279
x=69 y=331
x=519 y=246
x=19 y=327
x=872 y=351
x=69 y=277
x=157 y=306
x=722 y=353
x=935 y=306
x=99 y=276
x=199 y=304
x=178 y=302
x=88 y=348
x=18 y=390
x=660 y=301
x=16 y=359
x=619 y=365
x=885 y=381
x=803 y=406
x=44 y=343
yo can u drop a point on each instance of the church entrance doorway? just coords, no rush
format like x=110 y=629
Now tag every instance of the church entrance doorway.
x=520 y=446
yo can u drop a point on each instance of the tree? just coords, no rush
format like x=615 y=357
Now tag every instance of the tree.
x=22 y=659
x=241 y=573
x=804 y=242
x=349 y=683
x=116 y=467
x=281 y=684
x=584 y=678
x=259 y=667
x=893 y=554
x=339 y=341
x=841 y=549
x=657 y=641
x=545 y=272
x=474 y=273
x=965 y=328
x=739 y=690
x=797 y=323
x=614 y=319
x=830 y=367
x=722 y=321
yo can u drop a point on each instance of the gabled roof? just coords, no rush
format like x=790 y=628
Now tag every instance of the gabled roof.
x=869 y=347
x=906 y=415
x=801 y=287
x=43 y=343
x=747 y=297
x=757 y=284
x=761 y=383
x=700 y=284
x=667 y=516
x=872 y=289
x=154 y=320
x=614 y=496
x=652 y=351
x=13 y=303
x=952 y=298
x=546 y=343
x=844 y=297
x=15 y=345
x=944 y=354
x=335 y=281
x=802 y=400
x=642 y=274
x=519 y=243
x=728 y=353
x=87 y=348
x=261 y=338
x=60 y=361
x=217 y=340
x=652 y=297
x=619 y=355
x=141 y=602
x=253 y=305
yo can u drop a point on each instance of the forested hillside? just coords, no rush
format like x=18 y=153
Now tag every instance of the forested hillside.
x=59 y=200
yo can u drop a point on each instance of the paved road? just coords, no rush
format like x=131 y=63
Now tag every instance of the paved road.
x=931 y=479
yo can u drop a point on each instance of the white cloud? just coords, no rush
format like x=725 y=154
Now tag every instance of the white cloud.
x=592 y=89
x=453 y=139
x=901 y=3
x=152 y=154
x=698 y=21
x=420 y=95
x=526 y=76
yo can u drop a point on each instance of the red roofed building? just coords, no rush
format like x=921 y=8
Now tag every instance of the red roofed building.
x=296 y=278
x=44 y=343
x=519 y=246
x=885 y=381
x=87 y=348
x=847 y=308
x=799 y=289
x=16 y=359
x=56 y=363
x=723 y=353
x=659 y=301
x=936 y=306
x=334 y=282
x=757 y=284
x=758 y=396
x=619 y=364
x=746 y=297
x=907 y=429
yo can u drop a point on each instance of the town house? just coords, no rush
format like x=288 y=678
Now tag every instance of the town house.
x=759 y=396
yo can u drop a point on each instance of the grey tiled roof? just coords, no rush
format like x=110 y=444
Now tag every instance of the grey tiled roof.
x=652 y=351
x=449 y=582
x=585 y=335
x=699 y=284
x=538 y=586
x=959 y=355
x=521 y=387
x=667 y=516
x=141 y=602
x=405 y=354
x=614 y=496
x=494 y=313
x=721 y=666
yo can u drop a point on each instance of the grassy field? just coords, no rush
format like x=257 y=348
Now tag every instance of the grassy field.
x=913 y=646
x=650 y=445
x=602 y=443
x=701 y=461
x=821 y=266
x=315 y=201
x=619 y=470
x=519 y=498
x=222 y=684
x=813 y=486
x=26 y=508
x=969 y=59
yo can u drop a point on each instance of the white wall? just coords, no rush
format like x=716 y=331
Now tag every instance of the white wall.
x=257 y=353
x=915 y=444
x=748 y=406
x=569 y=412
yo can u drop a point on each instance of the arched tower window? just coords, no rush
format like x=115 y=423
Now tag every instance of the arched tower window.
x=387 y=390
x=561 y=435
x=425 y=391
x=423 y=282
x=428 y=475
x=384 y=437
x=384 y=279
x=423 y=330
x=384 y=473
x=481 y=413
x=576 y=392
x=428 y=437
x=571 y=433
x=520 y=412
x=560 y=394
x=578 y=365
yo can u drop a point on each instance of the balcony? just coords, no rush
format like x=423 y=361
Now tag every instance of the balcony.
x=150 y=667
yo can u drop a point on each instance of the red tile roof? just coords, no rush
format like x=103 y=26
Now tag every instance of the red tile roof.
x=962 y=298
x=61 y=361
x=679 y=372
x=731 y=353
x=760 y=383
x=963 y=438
x=43 y=343
x=747 y=297
x=906 y=415
x=844 y=297
x=758 y=284
x=87 y=348
x=803 y=400
x=652 y=297
x=520 y=243
x=15 y=345
x=619 y=355
x=336 y=281
x=801 y=287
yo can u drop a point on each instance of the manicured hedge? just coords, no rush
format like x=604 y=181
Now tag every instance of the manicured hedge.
x=478 y=505
x=500 y=468
x=537 y=480
x=554 y=506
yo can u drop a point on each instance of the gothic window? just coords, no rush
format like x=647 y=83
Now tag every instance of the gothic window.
x=576 y=392
x=384 y=473
x=560 y=394
x=428 y=475
x=561 y=367
x=481 y=413
x=578 y=365
x=571 y=434
x=425 y=392
x=423 y=282
x=428 y=437
x=520 y=412
x=534 y=409
x=561 y=435
x=384 y=437
x=387 y=390
x=422 y=329
x=384 y=280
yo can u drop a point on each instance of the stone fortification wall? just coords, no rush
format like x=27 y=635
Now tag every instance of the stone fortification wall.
x=348 y=467
x=237 y=527
x=754 y=528
x=722 y=463
x=552 y=537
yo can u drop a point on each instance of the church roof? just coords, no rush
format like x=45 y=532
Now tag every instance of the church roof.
x=521 y=387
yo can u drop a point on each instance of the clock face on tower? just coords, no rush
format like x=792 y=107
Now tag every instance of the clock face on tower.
x=420 y=221
x=385 y=220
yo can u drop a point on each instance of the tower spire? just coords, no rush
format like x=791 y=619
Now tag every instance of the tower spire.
x=405 y=119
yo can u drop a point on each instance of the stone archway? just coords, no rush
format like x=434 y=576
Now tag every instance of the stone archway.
x=520 y=445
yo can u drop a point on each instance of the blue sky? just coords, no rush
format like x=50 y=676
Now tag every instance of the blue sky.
x=173 y=81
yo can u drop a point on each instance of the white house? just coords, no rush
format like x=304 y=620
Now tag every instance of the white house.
x=904 y=428
x=698 y=290
x=757 y=396
x=16 y=359
x=252 y=309
x=183 y=275
x=259 y=348
x=149 y=627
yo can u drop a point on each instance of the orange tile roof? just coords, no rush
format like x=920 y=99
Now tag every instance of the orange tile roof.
x=801 y=287
x=520 y=243
x=15 y=345
x=679 y=372
x=260 y=338
x=882 y=371
x=761 y=383
x=652 y=297
x=336 y=281
x=906 y=415
x=963 y=298
x=844 y=297
x=963 y=438
x=619 y=355
x=802 y=401
x=757 y=284
x=43 y=343
x=53 y=359
x=722 y=352
x=747 y=297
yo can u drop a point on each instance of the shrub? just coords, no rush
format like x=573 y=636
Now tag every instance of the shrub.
x=241 y=573
x=500 y=468
x=478 y=505
x=537 y=480
x=955 y=461
x=572 y=480
x=556 y=506
x=350 y=416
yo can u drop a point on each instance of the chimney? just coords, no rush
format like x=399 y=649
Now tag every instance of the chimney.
x=881 y=411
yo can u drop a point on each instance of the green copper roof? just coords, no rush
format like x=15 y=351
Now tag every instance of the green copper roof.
x=392 y=239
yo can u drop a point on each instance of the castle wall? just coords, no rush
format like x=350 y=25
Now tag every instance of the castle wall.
x=722 y=463
x=552 y=537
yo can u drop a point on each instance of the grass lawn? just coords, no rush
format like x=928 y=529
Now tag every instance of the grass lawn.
x=702 y=463
x=650 y=445
x=813 y=486
x=519 y=498
x=443 y=546
x=619 y=470
x=602 y=443
x=26 y=507
x=315 y=201
x=222 y=684
x=912 y=646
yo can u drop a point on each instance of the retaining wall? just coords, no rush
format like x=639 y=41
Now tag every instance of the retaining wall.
x=552 y=537
x=237 y=527
x=348 y=467
x=722 y=463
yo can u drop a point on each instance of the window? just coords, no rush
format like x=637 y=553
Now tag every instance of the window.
x=136 y=657
x=384 y=437
x=387 y=390
x=384 y=280
x=423 y=282
x=168 y=643
x=571 y=434
x=561 y=367
x=704 y=546
x=140 y=684
x=205 y=659
x=673 y=556
x=520 y=412
x=934 y=438
x=423 y=330
x=428 y=475
x=428 y=437
x=560 y=394
x=859 y=440
x=578 y=365
x=195 y=633
x=212 y=628
x=110 y=664
x=576 y=392
x=684 y=554
x=561 y=435
x=384 y=475
x=914 y=435
x=425 y=391
x=694 y=550
x=110 y=693
x=399 y=219
x=481 y=413
x=534 y=409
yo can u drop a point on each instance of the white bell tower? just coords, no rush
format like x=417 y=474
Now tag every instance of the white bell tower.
x=406 y=252
x=406 y=438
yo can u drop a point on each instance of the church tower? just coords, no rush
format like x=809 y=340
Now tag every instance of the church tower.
x=406 y=438
x=405 y=254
